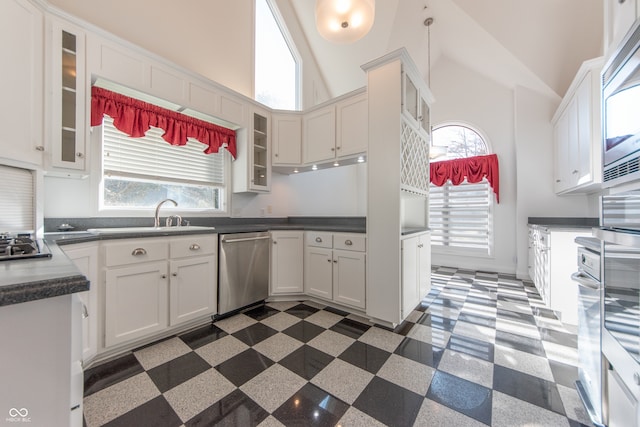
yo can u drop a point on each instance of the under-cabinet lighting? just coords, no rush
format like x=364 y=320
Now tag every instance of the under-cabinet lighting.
x=360 y=159
x=314 y=167
x=296 y=170
x=336 y=164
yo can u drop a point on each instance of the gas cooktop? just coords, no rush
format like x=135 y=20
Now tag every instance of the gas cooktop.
x=21 y=246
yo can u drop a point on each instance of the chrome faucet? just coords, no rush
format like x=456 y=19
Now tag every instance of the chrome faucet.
x=156 y=222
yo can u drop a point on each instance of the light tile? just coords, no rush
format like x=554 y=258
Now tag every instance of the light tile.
x=518 y=328
x=561 y=353
x=519 y=307
x=273 y=386
x=448 y=312
x=221 y=350
x=235 y=323
x=315 y=304
x=164 y=351
x=508 y=411
x=283 y=305
x=197 y=394
x=270 y=421
x=407 y=373
x=356 y=418
x=414 y=316
x=573 y=405
x=381 y=338
x=332 y=343
x=281 y=321
x=343 y=380
x=478 y=332
x=479 y=310
x=434 y=414
x=324 y=319
x=467 y=367
x=111 y=402
x=278 y=346
x=429 y=335
x=524 y=362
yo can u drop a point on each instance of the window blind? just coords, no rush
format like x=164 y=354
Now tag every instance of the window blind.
x=151 y=157
x=460 y=216
x=17 y=190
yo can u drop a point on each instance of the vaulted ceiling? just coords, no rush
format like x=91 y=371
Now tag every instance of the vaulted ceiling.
x=538 y=44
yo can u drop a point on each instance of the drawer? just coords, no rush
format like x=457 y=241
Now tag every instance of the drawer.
x=135 y=251
x=186 y=246
x=350 y=242
x=319 y=239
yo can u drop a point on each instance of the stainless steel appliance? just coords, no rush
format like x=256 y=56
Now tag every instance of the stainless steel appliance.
x=621 y=106
x=22 y=245
x=244 y=270
x=589 y=384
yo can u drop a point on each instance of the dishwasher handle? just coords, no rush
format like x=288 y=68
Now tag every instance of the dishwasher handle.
x=245 y=239
x=586 y=281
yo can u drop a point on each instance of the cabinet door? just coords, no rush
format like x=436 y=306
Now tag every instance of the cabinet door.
x=287 y=262
x=352 y=136
x=85 y=258
x=583 y=113
x=286 y=139
x=192 y=288
x=410 y=283
x=561 y=151
x=424 y=264
x=318 y=272
x=260 y=167
x=320 y=135
x=135 y=302
x=21 y=85
x=623 y=405
x=349 y=271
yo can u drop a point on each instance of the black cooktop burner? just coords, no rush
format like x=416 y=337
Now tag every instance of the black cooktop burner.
x=20 y=246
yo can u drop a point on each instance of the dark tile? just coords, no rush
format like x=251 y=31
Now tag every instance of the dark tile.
x=252 y=335
x=438 y=322
x=558 y=337
x=447 y=302
x=516 y=316
x=306 y=361
x=202 y=336
x=477 y=320
x=234 y=409
x=481 y=349
x=311 y=406
x=519 y=342
x=544 y=312
x=261 y=312
x=336 y=311
x=564 y=374
x=513 y=299
x=388 y=403
x=244 y=366
x=102 y=376
x=350 y=328
x=176 y=371
x=365 y=356
x=461 y=395
x=421 y=352
x=302 y=311
x=526 y=387
x=404 y=328
x=574 y=423
x=156 y=412
x=304 y=331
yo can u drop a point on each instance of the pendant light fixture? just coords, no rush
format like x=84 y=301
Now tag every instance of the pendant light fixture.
x=344 y=21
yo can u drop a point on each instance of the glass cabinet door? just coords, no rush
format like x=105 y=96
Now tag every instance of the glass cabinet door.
x=410 y=98
x=260 y=172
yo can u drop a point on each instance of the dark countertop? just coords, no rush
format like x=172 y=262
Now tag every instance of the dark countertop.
x=32 y=279
x=562 y=223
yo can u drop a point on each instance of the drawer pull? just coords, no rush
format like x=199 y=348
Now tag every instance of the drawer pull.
x=139 y=251
x=335 y=261
x=328 y=260
x=194 y=247
x=348 y=242
x=174 y=274
x=164 y=276
x=318 y=240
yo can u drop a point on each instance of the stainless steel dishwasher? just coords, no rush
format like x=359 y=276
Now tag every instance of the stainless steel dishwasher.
x=244 y=270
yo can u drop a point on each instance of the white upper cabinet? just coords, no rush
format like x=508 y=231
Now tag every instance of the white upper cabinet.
x=21 y=109
x=352 y=128
x=577 y=134
x=252 y=167
x=286 y=139
x=320 y=135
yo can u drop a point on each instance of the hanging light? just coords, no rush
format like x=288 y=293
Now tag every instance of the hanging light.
x=344 y=21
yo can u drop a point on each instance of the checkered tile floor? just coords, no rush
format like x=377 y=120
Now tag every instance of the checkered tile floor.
x=481 y=349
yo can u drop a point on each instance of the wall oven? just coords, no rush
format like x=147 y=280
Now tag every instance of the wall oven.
x=621 y=106
x=620 y=236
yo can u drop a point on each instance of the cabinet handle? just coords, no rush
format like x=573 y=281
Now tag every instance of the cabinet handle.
x=85 y=312
x=40 y=148
x=636 y=378
x=328 y=260
x=574 y=172
x=337 y=148
x=174 y=274
x=276 y=154
x=79 y=155
x=194 y=247
x=348 y=242
x=335 y=261
x=275 y=243
x=333 y=149
x=557 y=180
x=139 y=251
x=164 y=276
x=318 y=240
x=420 y=245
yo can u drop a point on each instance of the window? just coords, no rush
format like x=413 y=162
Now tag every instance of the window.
x=277 y=67
x=460 y=215
x=139 y=172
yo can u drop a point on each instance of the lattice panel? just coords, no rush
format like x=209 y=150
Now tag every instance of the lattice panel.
x=414 y=173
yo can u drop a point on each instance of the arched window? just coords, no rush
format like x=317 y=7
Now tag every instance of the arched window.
x=460 y=216
x=277 y=63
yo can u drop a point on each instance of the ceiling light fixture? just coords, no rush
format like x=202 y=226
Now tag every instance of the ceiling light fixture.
x=344 y=21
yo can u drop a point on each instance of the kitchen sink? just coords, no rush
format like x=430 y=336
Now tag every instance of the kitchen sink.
x=151 y=230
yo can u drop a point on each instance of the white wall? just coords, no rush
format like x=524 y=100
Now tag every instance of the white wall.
x=463 y=95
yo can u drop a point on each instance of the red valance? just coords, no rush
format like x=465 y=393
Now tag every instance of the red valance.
x=135 y=117
x=471 y=168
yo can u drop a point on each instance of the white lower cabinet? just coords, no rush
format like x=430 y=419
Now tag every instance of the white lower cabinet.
x=335 y=267
x=416 y=271
x=287 y=262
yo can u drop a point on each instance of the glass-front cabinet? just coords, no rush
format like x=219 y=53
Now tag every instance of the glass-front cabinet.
x=260 y=148
x=414 y=105
x=66 y=98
